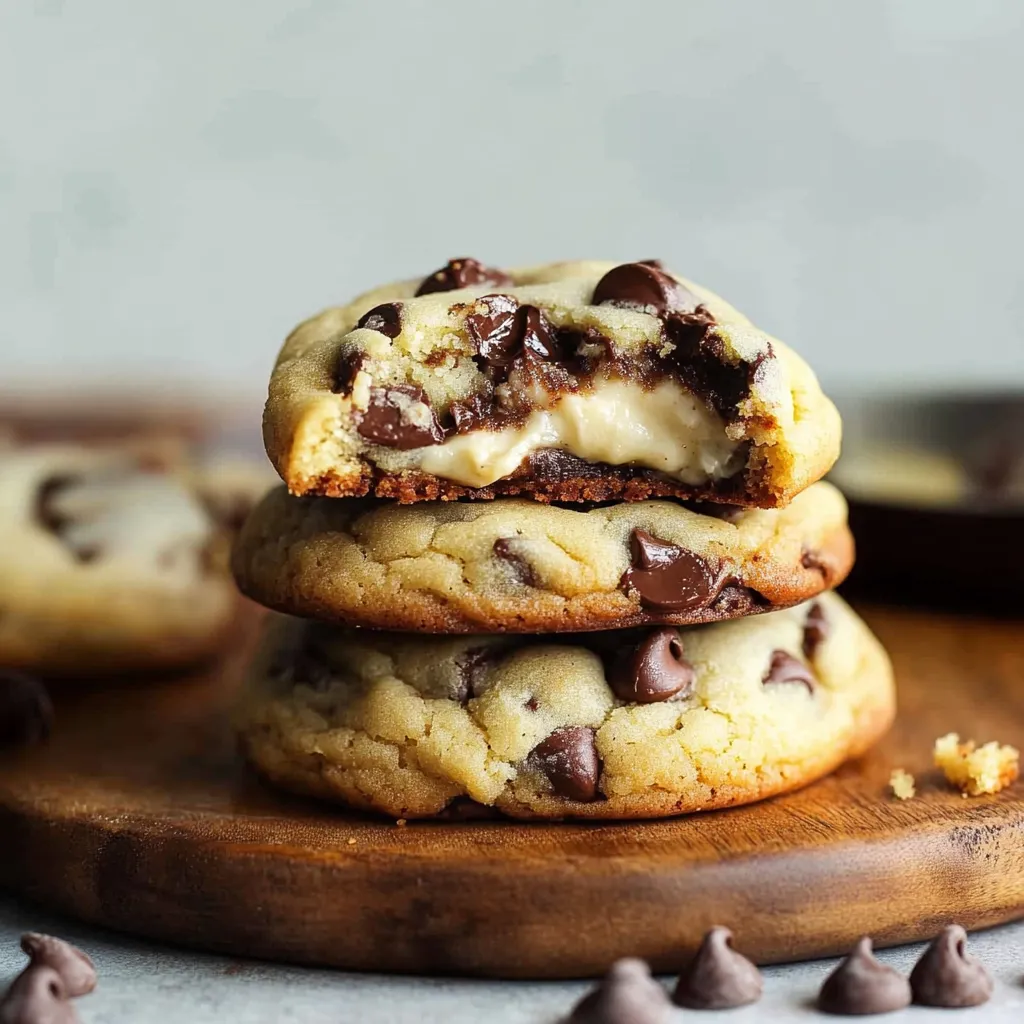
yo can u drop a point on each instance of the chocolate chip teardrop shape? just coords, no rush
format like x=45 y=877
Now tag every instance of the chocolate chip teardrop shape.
x=654 y=670
x=37 y=996
x=568 y=757
x=666 y=577
x=400 y=417
x=947 y=975
x=385 y=319
x=862 y=985
x=784 y=668
x=627 y=994
x=76 y=970
x=644 y=286
x=718 y=977
x=463 y=273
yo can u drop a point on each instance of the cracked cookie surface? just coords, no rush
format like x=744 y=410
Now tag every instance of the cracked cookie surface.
x=106 y=563
x=520 y=566
x=643 y=723
x=574 y=381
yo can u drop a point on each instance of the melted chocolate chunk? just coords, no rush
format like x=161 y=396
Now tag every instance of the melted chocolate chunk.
x=37 y=996
x=666 y=577
x=507 y=332
x=644 y=286
x=653 y=671
x=385 y=319
x=816 y=629
x=861 y=985
x=473 y=668
x=463 y=273
x=718 y=978
x=787 y=669
x=698 y=360
x=387 y=421
x=947 y=975
x=346 y=371
x=26 y=711
x=76 y=970
x=503 y=549
x=462 y=808
x=47 y=513
x=568 y=757
x=626 y=995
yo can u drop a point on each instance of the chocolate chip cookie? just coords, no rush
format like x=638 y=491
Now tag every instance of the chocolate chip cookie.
x=104 y=564
x=645 y=723
x=514 y=565
x=582 y=381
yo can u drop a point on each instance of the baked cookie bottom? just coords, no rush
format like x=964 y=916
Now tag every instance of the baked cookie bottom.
x=516 y=566
x=647 y=724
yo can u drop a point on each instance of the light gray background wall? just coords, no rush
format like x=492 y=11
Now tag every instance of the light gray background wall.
x=181 y=182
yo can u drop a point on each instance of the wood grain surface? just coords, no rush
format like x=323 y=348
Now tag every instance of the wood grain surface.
x=138 y=815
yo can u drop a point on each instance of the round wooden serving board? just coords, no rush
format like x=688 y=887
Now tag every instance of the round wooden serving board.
x=138 y=815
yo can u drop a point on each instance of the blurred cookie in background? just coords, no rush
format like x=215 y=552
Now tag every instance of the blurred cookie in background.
x=108 y=562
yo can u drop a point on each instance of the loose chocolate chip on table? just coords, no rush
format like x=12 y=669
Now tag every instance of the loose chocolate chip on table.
x=652 y=671
x=947 y=975
x=627 y=994
x=504 y=549
x=667 y=577
x=385 y=319
x=718 y=977
x=76 y=970
x=568 y=757
x=816 y=629
x=463 y=273
x=400 y=416
x=26 y=712
x=862 y=985
x=644 y=286
x=784 y=668
x=37 y=996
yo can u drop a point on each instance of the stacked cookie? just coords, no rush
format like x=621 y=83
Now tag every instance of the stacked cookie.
x=551 y=544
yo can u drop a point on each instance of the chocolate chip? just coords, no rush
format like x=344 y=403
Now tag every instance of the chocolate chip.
x=473 y=667
x=26 y=712
x=385 y=319
x=37 y=996
x=627 y=994
x=463 y=273
x=462 y=808
x=644 y=286
x=785 y=668
x=652 y=671
x=568 y=757
x=862 y=985
x=47 y=512
x=76 y=970
x=667 y=577
x=506 y=331
x=347 y=369
x=718 y=977
x=399 y=416
x=816 y=629
x=521 y=568
x=947 y=975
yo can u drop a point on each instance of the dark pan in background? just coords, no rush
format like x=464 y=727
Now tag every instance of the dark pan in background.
x=936 y=491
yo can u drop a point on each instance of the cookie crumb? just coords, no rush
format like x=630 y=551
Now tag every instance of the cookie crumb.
x=401 y=823
x=902 y=784
x=976 y=770
x=351 y=842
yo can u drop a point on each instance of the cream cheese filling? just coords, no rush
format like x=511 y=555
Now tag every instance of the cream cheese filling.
x=617 y=422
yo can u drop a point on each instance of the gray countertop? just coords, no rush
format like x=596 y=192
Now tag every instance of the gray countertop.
x=141 y=981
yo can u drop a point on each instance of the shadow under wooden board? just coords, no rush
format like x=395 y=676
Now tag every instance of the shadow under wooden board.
x=138 y=816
